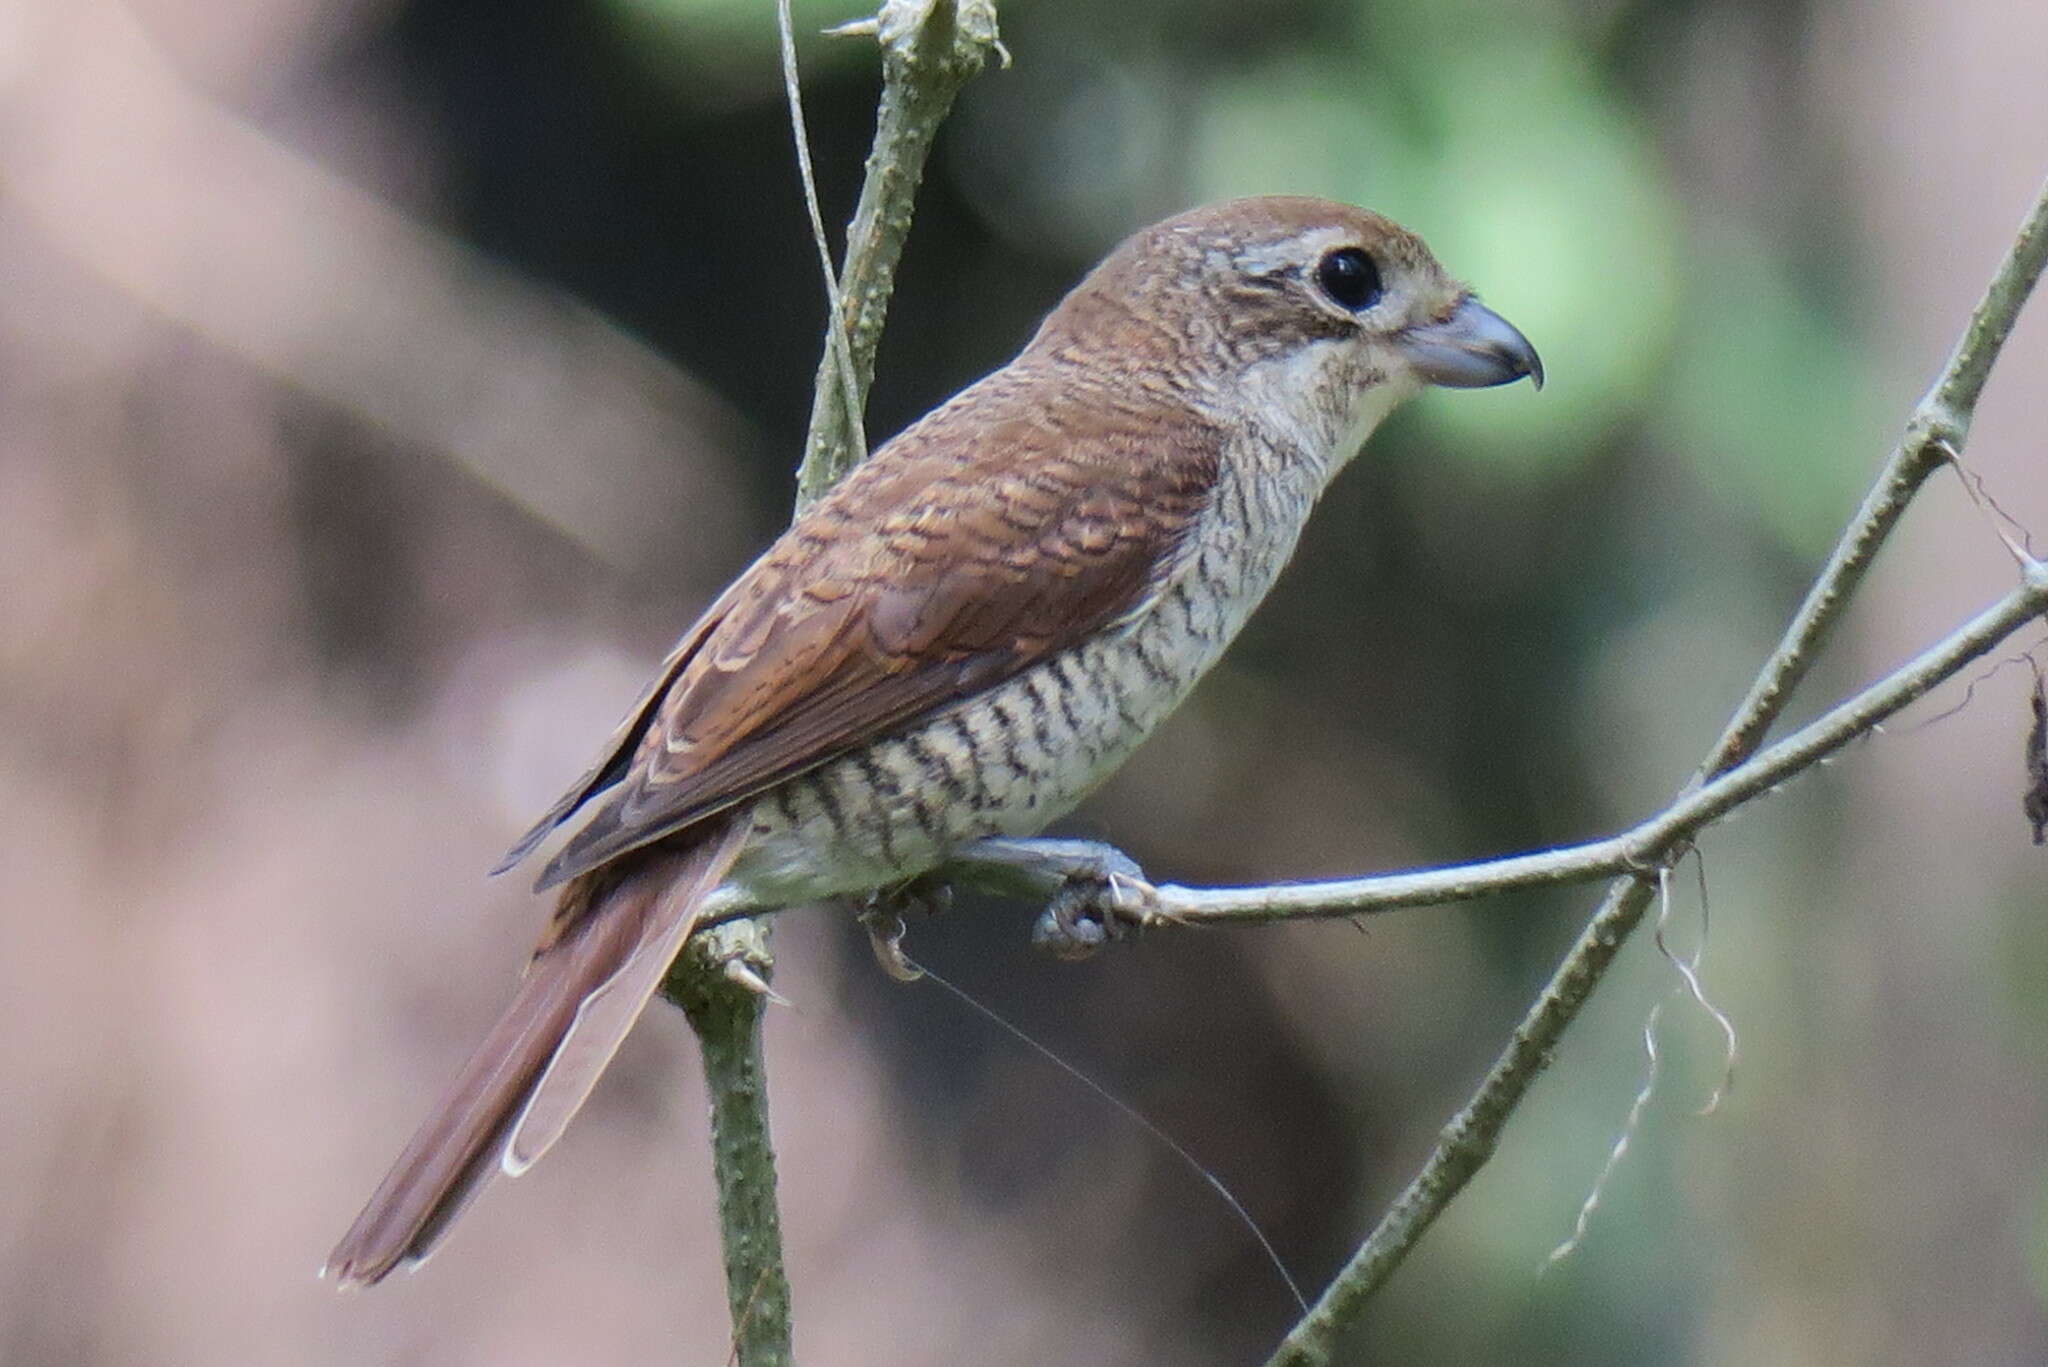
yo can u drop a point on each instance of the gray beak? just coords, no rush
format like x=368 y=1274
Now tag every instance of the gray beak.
x=1473 y=348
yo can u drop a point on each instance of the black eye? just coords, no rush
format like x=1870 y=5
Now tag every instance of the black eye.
x=1350 y=277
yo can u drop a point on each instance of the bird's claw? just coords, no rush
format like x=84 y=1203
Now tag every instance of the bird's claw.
x=882 y=912
x=885 y=937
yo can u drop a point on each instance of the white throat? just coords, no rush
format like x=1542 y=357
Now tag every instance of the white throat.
x=1280 y=396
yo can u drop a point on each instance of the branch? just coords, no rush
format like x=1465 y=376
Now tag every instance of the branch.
x=1656 y=843
x=724 y=1009
x=929 y=50
x=1936 y=432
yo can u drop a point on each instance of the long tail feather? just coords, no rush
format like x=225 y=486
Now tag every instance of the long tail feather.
x=580 y=996
x=607 y=1014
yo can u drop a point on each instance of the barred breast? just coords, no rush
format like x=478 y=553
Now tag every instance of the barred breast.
x=1017 y=757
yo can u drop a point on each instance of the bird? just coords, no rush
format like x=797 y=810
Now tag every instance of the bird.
x=964 y=637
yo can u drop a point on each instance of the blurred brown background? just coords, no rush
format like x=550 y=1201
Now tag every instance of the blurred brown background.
x=383 y=384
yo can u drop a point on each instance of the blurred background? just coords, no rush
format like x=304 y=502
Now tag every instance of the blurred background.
x=385 y=383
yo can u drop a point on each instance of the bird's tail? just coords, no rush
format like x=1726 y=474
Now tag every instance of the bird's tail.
x=610 y=946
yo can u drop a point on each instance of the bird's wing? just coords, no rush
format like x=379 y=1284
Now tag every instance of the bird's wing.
x=962 y=553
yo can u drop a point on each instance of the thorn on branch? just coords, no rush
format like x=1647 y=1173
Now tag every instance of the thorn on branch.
x=738 y=973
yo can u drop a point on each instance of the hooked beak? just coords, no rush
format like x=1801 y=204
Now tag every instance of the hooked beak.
x=1473 y=348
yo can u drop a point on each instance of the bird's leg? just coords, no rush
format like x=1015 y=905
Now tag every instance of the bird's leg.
x=1093 y=892
x=1037 y=868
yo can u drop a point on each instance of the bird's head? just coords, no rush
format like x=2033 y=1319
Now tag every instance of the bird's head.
x=1301 y=316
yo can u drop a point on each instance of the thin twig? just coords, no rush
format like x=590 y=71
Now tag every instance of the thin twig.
x=1939 y=426
x=838 y=360
x=930 y=49
x=1653 y=844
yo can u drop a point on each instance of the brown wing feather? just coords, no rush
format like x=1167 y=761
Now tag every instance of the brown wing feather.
x=963 y=552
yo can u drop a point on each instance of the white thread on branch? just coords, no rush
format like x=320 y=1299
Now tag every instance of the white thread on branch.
x=1651 y=1076
x=1688 y=968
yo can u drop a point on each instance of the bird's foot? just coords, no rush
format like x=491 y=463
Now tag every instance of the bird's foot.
x=1094 y=893
x=1087 y=914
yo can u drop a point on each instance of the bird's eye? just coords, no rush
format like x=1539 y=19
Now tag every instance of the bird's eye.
x=1350 y=277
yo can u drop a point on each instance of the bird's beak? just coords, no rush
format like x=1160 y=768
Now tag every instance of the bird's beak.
x=1473 y=348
